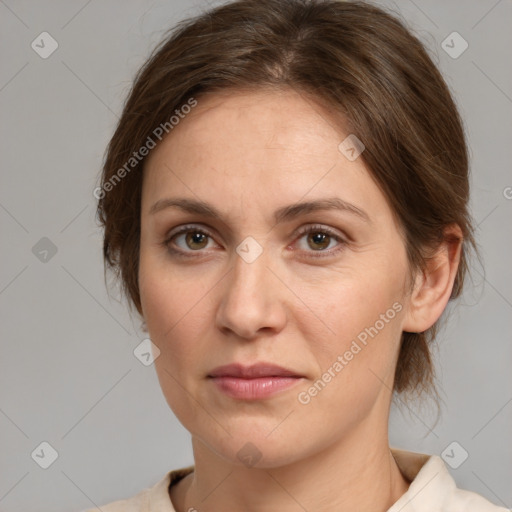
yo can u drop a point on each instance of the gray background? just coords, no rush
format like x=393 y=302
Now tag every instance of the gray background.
x=68 y=375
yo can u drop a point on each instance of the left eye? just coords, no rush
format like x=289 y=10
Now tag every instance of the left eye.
x=319 y=239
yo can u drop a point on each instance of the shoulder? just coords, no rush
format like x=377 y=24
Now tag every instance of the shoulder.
x=150 y=499
x=137 y=503
x=433 y=488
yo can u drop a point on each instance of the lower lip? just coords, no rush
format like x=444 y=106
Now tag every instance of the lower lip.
x=254 y=389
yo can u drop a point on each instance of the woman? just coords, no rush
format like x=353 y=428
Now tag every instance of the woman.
x=285 y=200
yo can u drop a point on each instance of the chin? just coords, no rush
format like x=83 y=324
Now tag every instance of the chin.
x=255 y=444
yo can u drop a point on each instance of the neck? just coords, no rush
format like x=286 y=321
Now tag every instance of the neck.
x=356 y=473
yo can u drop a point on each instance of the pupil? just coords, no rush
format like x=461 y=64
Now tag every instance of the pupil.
x=320 y=238
x=195 y=238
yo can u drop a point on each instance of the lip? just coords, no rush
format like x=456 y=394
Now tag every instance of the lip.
x=252 y=372
x=255 y=382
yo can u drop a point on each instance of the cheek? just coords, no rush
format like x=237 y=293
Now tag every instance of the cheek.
x=166 y=292
x=178 y=311
x=363 y=311
x=356 y=364
x=164 y=304
x=173 y=311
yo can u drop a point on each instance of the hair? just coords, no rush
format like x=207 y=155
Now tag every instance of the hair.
x=358 y=60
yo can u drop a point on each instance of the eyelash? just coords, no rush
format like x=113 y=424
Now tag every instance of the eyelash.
x=304 y=231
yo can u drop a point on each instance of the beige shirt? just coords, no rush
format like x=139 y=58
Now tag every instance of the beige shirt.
x=432 y=489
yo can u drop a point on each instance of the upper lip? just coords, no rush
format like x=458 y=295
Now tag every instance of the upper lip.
x=253 y=371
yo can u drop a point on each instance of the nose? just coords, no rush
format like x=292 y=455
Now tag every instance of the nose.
x=252 y=300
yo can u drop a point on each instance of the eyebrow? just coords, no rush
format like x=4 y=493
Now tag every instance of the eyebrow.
x=286 y=213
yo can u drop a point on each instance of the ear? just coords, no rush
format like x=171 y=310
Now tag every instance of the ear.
x=433 y=286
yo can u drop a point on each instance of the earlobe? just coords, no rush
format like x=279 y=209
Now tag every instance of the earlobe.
x=433 y=286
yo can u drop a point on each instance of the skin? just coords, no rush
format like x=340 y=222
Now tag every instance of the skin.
x=248 y=154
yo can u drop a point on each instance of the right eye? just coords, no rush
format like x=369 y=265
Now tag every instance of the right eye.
x=187 y=239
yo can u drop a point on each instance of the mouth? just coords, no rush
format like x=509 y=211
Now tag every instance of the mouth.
x=252 y=372
x=254 y=382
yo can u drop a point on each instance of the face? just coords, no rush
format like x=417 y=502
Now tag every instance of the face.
x=318 y=291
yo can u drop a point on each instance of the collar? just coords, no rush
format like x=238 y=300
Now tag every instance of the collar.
x=431 y=488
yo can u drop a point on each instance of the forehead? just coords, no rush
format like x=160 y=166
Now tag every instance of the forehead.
x=278 y=146
x=265 y=111
x=262 y=132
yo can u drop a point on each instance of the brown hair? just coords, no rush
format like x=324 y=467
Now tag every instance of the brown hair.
x=357 y=59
